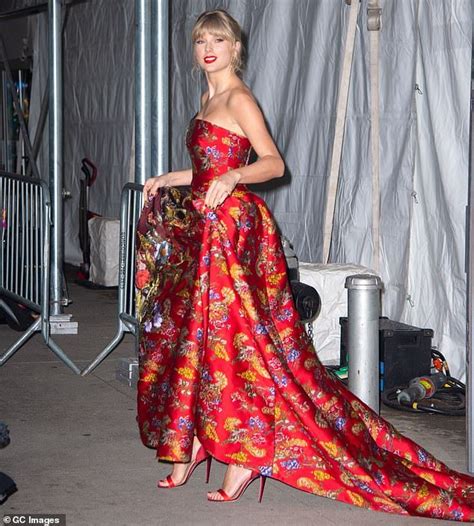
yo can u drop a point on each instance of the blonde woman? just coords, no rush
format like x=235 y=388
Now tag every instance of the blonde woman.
x=226 y=369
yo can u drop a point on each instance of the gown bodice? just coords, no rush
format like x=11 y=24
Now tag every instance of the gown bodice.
x=214 y=150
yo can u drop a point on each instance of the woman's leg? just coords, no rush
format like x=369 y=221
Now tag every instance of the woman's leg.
x=235 y=477
x=180 y=469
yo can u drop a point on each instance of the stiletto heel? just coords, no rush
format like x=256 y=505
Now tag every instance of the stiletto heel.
x=254 y=475
x=262 y=487
x=208 y=468
x=201 y=456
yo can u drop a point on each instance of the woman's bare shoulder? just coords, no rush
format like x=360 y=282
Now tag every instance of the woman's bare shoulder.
x=241 y=94
x=242 y=101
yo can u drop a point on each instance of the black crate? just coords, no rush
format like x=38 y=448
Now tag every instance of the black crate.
x=405 y=352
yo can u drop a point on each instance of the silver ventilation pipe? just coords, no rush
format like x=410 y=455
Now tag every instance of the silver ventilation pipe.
x=363 y=337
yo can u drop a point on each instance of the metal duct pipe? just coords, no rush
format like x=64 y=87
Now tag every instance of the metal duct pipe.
x=56 y=152
x=159 y=88
x=363 y=337
x=142 y=90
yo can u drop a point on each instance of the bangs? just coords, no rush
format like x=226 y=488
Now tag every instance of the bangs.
x=215 y=26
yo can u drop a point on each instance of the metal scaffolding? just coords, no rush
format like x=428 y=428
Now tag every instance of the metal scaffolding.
x=151 y=89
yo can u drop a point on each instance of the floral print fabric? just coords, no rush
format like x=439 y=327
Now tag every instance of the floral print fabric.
x=224 y=356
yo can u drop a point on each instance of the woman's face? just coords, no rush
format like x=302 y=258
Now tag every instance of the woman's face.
x=213 y=53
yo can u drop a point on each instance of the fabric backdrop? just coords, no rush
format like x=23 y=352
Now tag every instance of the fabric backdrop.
x=294 y=63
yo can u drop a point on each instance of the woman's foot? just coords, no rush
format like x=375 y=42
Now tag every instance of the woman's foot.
x=236 y=481
x=182 y=471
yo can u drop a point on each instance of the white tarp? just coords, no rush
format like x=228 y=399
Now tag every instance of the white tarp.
x=294 y=59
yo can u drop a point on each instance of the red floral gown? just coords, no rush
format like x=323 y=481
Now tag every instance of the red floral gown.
x=224 y=356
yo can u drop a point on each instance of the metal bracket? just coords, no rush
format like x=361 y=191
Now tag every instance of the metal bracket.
x=374 y=18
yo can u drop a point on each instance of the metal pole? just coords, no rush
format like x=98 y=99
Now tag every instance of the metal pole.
x=363 y=337
x=56 y=152
x=470 y=298
x=6 y=125
x=21 y=93
x=159 y=88
x=142 y=91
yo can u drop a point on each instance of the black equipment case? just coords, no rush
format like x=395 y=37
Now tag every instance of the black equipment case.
x=405 y=352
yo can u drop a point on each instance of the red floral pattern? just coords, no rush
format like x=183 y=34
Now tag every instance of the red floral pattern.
x=224 y=356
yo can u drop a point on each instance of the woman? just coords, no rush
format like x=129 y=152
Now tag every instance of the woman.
x=226 y=368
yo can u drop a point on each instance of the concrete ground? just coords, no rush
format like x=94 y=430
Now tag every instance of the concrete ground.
x=75 y=447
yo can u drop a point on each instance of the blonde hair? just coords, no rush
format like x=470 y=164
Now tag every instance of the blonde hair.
x=219 y=23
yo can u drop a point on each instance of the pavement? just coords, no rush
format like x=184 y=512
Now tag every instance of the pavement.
x=75 y=448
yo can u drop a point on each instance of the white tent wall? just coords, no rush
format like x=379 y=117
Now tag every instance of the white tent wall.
x=294 y=57
x=294 y=60
x=436 y=271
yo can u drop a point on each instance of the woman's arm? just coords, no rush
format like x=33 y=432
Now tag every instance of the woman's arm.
x=247 y=115
x=181 y=178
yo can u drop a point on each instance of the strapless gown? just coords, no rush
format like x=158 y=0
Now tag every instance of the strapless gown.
x=224 y=356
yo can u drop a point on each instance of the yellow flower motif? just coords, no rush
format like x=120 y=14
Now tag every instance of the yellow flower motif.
x=356 y=498
x=187 y=372
x=285 y=333
x=358 y=428
x=256 y=363
x=210 y=432
x=221 y=380
x=321 y=475
x=253 y=450
x=423 y=492
x=240 y=457
x=224 y=268
x=331 y=448
x=277 y=412
x=151 y=377
x=249 y=306
x=276 y=278
x=220 y=352
x=234 y=212
x=236 y=272
x=262 y=297
x=231 y=423
x=239 y=340
x=296 y=442
x=346 y=479
x=312 y=486
x=248 y=375
x=228 y=295
x=270 y=348
x=151 y=365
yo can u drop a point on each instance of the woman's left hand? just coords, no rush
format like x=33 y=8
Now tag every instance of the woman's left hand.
x=220 y=189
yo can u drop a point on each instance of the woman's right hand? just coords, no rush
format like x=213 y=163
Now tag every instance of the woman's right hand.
x=153 y=184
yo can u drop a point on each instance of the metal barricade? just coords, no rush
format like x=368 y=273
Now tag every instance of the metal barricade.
x=25 y=255
x=130 y=209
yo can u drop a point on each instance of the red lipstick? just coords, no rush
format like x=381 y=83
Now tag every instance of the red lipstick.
x=209 y=59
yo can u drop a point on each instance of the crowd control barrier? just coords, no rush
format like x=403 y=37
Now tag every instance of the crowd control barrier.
x=130 y=209
x=25 y=226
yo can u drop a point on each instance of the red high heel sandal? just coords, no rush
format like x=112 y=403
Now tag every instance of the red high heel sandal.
x=240 y=491
x=201 y=456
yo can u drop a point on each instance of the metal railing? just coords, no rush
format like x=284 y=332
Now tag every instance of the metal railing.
x=130 y=209
x=25 y=226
